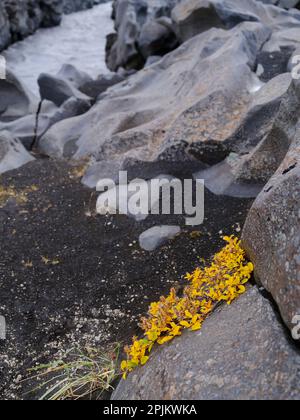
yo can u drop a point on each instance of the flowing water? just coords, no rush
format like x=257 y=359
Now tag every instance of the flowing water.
x=79 y=40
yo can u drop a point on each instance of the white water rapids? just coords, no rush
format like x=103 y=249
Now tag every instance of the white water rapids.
x=79 y=40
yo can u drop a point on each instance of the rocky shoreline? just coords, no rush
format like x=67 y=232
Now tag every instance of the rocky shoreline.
x=199 y=89
x=22 y=18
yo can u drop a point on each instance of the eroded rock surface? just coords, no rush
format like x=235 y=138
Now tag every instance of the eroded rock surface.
x=192 y=17
x=272 y=231
x=209 y=77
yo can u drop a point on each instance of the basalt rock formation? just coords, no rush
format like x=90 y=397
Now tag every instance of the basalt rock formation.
x=219 y=100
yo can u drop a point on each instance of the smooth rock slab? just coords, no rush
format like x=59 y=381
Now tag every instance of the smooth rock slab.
x=241 y=353
x=156 y=236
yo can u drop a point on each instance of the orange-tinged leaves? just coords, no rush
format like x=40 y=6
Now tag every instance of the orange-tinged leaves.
x=224 y=280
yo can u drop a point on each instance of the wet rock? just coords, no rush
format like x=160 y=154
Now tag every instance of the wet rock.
x=223 y=361
x=212 y=80
x=13 y=155
x=155 y=237
x=15 y=100
x=272 y=231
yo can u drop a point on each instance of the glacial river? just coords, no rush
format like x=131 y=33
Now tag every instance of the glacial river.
x=79 y=40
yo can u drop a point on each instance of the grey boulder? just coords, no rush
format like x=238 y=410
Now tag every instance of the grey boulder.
x=58 y=89
x=192 y=17
x=156 y=236
x=95 y=88
x=15 y=100
x=243 y=173
x=123 y=47
x=157 y=38
x=241 y=353
x=213 y=79
x=13 y=155
x=76 y=77
x=271 y=233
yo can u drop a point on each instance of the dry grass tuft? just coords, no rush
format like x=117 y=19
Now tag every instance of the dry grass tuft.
x=80 y=374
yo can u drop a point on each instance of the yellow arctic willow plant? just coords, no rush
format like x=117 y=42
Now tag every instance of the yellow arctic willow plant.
x=223 y=280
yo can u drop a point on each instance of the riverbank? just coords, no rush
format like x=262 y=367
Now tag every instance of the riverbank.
x=79 y=40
